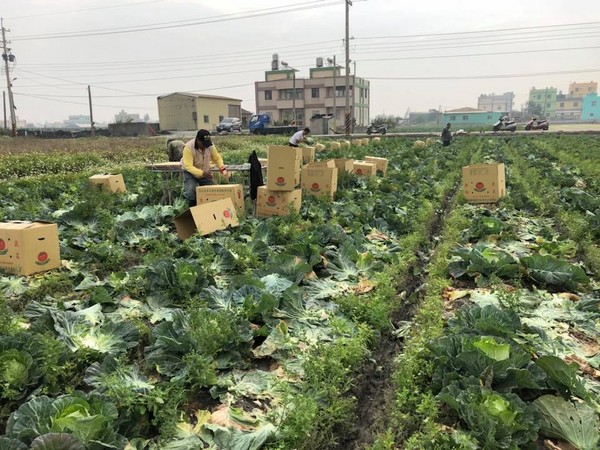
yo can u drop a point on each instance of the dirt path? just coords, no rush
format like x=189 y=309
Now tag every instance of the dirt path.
x=373 y=387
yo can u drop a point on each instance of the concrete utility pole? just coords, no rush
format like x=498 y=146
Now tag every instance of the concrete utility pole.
x=334 y=93
x=4 y=107
x=93 y=131
x=7 y=57
x=347 y=119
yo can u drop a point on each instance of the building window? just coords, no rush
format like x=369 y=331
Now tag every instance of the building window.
x=576 y=89
x=539 y=96
x=366 y=93
x=575 y=104
x=221 y=118
x=340 y=91
x=195 y=116
x=206 y=120
x=594 y=103
x=591 y=114
x=287 y=94
x=562 y=104
x=268 y=95
x=547 y=105
x=465 y=117
x=315 y=92
x=489 y=117
x=452 y=118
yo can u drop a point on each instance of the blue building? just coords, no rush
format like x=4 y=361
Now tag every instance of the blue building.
x=591 y=108
x=471 y=116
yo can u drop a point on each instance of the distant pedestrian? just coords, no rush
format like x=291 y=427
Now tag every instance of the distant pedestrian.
x=298 y=137
x=446 y=135
x=197 y=156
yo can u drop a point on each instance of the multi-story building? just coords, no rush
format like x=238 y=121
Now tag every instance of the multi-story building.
x=544 y=100
x=591 y=107
x=582 y=89
x=568 y=107
x=183 y=111
x=323 y=93
x=124 y=117
x=496 y=102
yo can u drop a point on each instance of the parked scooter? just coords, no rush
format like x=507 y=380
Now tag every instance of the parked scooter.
x=504 y=124
x=382 y=129
x=535 y=124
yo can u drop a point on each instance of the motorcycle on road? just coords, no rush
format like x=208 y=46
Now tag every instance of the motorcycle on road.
x=504 y=124
x=535 y=124
x=381 y=129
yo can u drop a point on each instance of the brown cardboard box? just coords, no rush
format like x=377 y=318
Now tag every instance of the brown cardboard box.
x=308 y=155
x=277 y=203
x=111 y=183
x=206 y=218
x=380 y=163
x=206 y=194
x=344 y=165
x=28 y=247
x=320 y=179
x=263 y=161
x=365 y=168
x=283 y=173
x=484 y=183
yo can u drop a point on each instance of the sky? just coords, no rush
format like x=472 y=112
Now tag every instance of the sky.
x=418 y=55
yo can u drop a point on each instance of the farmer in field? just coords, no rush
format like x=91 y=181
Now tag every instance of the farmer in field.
x=197 y=156
x=175 y=149
x=298 y=137
x=446 y=135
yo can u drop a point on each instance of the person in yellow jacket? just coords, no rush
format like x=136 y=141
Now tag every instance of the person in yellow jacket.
x=197 y=156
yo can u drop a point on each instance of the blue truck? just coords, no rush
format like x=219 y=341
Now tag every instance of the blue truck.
x=260 y=124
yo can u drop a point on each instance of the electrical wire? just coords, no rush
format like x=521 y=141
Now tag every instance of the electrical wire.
x=480 y=77
x=71 y=11
x=180 y=24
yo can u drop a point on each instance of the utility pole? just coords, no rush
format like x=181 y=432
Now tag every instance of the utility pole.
x=7 y=57
x=334 y=95
x=4 y=107
x=294 y=97
x=91 y=115
x=347 y=118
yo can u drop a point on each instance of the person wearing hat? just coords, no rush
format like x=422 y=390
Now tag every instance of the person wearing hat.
x=197 y=156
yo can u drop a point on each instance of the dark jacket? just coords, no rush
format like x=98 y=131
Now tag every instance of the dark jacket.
x=256 y=178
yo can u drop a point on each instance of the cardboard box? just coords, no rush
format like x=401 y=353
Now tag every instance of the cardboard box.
x=263 y=161
x=320 y=179
x=206 y=218
x=111 y=183
x=365 y=169
x=308 y=155
x=28 y=247
x=277 y=203
x=484 y=183
x=380 y=163
x=206 y=194
x=344 y=165
x=284 y=167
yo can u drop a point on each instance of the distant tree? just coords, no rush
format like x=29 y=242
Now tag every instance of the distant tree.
x=532 y=109
x=390 y=121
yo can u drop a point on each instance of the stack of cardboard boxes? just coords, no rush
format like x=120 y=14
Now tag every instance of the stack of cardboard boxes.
x=281 y=194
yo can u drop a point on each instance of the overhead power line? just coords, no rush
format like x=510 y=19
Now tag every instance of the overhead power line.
x=480 y=77
x=185 y=23
x=454 y=33
x=71 y=11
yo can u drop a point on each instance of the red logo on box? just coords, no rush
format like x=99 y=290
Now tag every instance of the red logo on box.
x=315 y=187
x=359 y=171
x=479 y=186
x=42 y=259
x=271 y=200
x=3 y=249
x=239 y=194
x=280 y=181
x=227 y=214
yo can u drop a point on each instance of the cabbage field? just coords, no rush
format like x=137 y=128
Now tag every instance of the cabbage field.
x=396 y=316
